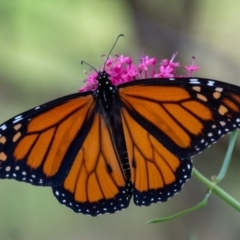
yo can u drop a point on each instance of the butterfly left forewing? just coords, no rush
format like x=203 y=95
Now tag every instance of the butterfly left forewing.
x=95 y=183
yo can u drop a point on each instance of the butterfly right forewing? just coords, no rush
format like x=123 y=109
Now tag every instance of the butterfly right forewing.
x=34 y=144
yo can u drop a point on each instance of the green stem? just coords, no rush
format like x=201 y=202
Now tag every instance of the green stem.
x=227 y=157
x=200 y=205
x=217 y=190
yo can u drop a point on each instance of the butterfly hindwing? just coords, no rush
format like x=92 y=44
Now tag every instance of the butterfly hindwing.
x=34 y=146
x=156 y=173
x=95 y=183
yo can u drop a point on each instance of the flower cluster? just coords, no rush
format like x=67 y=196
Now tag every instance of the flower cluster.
x=121 y=69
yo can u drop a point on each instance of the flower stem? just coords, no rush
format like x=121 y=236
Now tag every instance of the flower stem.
x=227 y=158
x=217 y=190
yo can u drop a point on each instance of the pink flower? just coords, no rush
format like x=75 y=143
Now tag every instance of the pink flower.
x=191 y=68
x=143 y=67
x=122 y=69
x=167 y=68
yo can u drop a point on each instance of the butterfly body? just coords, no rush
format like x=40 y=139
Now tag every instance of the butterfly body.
x=98 y=148
x=109 y=107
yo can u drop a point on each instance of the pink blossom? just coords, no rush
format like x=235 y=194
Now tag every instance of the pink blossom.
x=121 y=69
x=191 y=68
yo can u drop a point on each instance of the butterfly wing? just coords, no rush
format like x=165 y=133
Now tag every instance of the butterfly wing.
x=67 y=144
x=178 y=119
x=96 y=183
x=38 y=146
x=156 y=173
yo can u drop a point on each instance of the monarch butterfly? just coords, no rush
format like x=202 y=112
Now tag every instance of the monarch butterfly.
x=99 y=147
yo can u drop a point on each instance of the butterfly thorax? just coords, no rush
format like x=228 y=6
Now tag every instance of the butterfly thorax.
x=105 y=90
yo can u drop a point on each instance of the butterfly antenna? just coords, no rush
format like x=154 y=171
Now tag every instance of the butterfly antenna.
x=83 y=62
x=120 y=35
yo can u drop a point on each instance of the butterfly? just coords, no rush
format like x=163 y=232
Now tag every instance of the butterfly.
x=97 y=149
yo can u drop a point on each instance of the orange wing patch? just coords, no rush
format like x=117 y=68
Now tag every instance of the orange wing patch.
x=57 y=114
x=170 y=109
x=160 y=118
x=60 y=124
x=42 y=143
x=97 y=161
x=157 y=93
x=96 y=182
x=156 y=173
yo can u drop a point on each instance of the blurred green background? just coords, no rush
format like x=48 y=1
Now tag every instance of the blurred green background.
x=41 y=46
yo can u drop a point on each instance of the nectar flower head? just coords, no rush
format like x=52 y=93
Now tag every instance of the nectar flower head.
x=121 y=69
x=192 y=67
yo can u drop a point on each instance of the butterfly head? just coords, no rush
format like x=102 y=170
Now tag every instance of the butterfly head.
x=105 y=89
x=104 y=82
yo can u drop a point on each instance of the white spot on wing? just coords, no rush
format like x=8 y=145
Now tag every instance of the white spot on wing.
x=19 y=116
x=210 y=83
x=17 y=119
x=3 y=127
x=194 y=81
